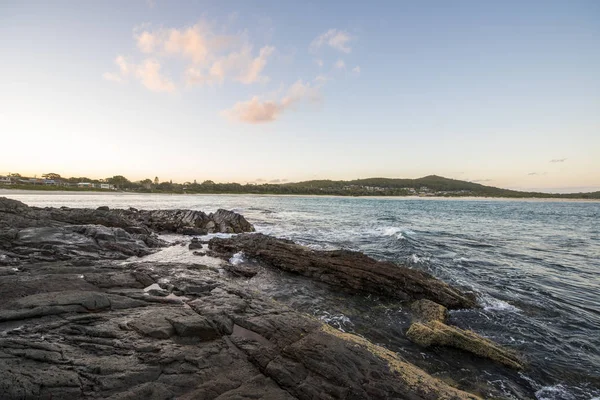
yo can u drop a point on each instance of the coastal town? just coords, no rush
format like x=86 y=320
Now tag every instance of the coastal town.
x=54 y=180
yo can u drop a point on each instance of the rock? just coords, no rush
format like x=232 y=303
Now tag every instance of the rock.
x=431 y=330
x=195 y=244
x=221 y=341
x=426 y=310
x=18 y=215
x=199 y=253
x=343 y=268
x=242 y=269
x=50 y=234
x=153 y=324
x=230 y=222
x=195 y=326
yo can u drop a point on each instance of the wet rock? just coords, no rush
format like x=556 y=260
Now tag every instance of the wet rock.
x=431 y=330
x=49 y=234
x=343 y=268
x=18 y=215
x=195 y=244
x=221 y=341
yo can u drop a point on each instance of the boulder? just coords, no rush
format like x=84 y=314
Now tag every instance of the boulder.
x=195 y=244
x=430 y=329
x=343 y=268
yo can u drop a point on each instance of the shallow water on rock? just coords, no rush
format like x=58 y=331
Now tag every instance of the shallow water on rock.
x=534 y=264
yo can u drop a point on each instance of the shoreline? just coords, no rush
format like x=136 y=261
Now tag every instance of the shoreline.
x=4 y=191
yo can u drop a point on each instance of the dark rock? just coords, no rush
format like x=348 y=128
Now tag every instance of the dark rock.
x=195 y=326
x=195 y=244
x=17 y=215
x=49 y=234
x=199 y=253
x=242 y=269
x=343 y=268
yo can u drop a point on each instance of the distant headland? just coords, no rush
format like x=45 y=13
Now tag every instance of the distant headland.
x=428 y=186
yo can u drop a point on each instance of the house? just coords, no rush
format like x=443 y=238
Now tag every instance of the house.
x=50 y=182
x=5 y=180
x=85 y=185
x=107 y=186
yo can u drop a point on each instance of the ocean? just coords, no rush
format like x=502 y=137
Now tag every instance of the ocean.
x=534 y=265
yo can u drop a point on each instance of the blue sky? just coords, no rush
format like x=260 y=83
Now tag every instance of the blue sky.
x=503 y=93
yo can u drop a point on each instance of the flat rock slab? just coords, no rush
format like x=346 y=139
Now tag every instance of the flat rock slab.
x=343 y=268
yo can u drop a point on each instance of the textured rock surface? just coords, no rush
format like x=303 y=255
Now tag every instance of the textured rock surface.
x=14 y=214
x=430 y=329
x=65 y=333
x=76 y=323
x=48 y=234
x=343 y=268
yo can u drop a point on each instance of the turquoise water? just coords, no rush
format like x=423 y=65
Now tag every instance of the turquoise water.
x=535 y=266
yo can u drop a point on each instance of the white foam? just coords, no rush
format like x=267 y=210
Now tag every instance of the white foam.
x=556 y=392
x=339 y=321
x=237 y=258
x=418 y=260
x=492 y=304
x=154 y=286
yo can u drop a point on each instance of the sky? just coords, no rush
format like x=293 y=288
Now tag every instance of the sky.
x=500 y=93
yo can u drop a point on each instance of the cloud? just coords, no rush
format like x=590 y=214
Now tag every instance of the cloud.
x=109 y=76
x=257 y=111
x=254 y=111
x=321 y=79
x=356 y=70
x=200 y=54
x=558 y=160
x=336 y=39
x=537 y=173
x=148 y=73
x=340 y=64
x=193 y=43
x=319 y=62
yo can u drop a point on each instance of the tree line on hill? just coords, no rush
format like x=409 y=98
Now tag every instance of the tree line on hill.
x=427 y=186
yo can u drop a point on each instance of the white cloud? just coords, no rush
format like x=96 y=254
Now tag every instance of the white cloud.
x=148 y=73
x=208 y=57
x=321 y=79
x=333 y=38
x=254 y=111
x=319 y=62
x=558 y=160
x=257 y=111
x=340 y=64
x=109 y=76
x=241 y=66
x=356 y=70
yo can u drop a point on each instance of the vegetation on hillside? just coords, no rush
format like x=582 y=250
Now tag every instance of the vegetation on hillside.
x=432 y=185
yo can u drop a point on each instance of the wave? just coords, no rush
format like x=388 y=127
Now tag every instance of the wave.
x=490 y=303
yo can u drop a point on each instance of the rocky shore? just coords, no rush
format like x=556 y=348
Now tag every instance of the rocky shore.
x=85 y=316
